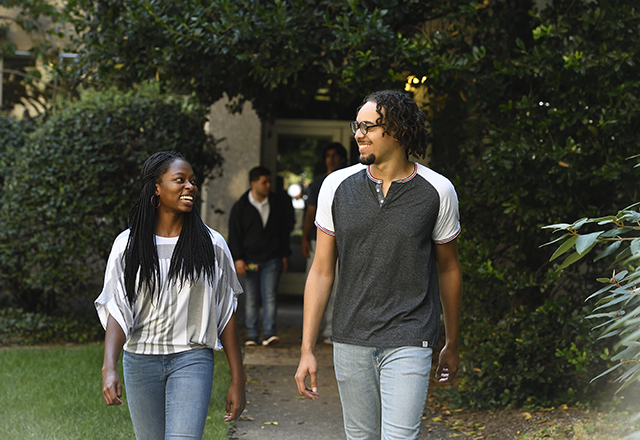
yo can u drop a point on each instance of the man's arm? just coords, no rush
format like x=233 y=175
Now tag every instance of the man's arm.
x=316 y=295
x=450 y=277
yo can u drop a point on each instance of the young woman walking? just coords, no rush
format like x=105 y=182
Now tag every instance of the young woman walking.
x=169 y=300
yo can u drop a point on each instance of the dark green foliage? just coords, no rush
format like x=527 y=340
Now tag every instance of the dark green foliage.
x=615 y=237
x=523 y=360
x=273 y=54
x=13 y=135
x=533 y=113
x=70 y=187
x=20 y=328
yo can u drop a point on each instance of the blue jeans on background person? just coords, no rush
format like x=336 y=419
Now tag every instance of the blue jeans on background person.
x=262 y=285
x=383 y=390
x=168 y=395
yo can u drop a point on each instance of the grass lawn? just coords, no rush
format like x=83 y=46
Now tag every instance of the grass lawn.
x=55 y=393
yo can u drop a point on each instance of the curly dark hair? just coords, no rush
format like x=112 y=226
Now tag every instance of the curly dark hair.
x=401 y=118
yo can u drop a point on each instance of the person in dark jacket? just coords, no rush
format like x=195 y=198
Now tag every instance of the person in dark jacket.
x=259 y=228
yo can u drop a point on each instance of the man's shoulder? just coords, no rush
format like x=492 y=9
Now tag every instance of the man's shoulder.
x=437 y=180
x=339 y=176
x=334 y=181
x=242 y=200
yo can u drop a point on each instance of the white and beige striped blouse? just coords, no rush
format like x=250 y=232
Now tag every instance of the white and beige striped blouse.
x=184 y=317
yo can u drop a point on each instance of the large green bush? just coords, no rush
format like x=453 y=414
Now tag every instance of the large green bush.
x=533 y=112
x=69 y=188
x=528 y=360
x=13 y=135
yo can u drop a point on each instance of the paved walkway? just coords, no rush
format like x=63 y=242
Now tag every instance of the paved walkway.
x=275 y=410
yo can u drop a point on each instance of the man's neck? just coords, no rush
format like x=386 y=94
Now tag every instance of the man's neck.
x=259 y=197
x=392 y=170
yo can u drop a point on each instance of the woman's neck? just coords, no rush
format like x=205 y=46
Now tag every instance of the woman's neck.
x=169 y=227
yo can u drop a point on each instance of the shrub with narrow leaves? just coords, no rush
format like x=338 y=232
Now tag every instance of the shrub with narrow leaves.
x=617 y=303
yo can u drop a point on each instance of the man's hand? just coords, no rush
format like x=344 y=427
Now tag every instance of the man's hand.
x=308 y=366
x=241 y=268
x=448 y=364
x=306 y=247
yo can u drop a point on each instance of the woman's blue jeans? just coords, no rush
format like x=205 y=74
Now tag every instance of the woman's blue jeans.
x=262 y=285
x=383 y=390
x=168 y=395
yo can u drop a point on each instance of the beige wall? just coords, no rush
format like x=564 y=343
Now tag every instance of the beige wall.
x=241 y=151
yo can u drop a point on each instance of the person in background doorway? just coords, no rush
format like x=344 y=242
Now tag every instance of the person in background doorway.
x=259 y=228
x=335 y=157
x=169 y=299
x=286 y=202
x=393 y=225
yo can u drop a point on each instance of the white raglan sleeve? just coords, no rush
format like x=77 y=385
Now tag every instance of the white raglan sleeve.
x=113 y=299
x=447 y=227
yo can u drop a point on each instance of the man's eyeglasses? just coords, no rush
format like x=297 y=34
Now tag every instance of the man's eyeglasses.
x=364 y=128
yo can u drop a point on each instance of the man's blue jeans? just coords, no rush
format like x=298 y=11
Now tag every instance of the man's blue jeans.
x=168 y=395
x=383 y=390
x=262 y=285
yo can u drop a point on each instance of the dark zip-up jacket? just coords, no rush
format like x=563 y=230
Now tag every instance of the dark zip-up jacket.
x=249 y=240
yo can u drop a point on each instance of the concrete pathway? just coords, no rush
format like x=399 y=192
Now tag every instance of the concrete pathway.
x=275 y=410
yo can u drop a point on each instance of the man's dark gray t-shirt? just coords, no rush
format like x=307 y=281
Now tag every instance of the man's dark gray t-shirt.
x=388 y=293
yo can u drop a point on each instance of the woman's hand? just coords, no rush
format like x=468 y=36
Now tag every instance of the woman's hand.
x=111 y=387
x=236 y=401
x=113 y=342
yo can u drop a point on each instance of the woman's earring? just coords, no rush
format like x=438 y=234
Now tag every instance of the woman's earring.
x=159 y=201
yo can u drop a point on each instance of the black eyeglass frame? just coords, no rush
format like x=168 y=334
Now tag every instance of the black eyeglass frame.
x=363 y=127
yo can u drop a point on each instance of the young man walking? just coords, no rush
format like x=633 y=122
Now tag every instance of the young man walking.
x=259 y=227
x=393 y=224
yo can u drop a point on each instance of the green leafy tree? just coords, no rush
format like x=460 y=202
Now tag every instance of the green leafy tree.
x=274 y=54
x=70 y=187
